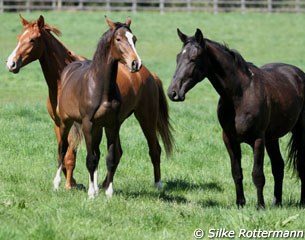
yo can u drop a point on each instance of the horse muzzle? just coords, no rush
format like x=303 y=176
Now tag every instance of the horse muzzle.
x=175 y=96
x=14 y=66
x=135 y=66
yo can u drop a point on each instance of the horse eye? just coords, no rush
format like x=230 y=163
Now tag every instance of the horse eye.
x=134 y=39
x=118 y=39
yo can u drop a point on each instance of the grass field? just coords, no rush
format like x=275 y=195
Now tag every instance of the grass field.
x=198 y=188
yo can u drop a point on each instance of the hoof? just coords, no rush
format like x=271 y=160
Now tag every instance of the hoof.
x=240 y=203
x=158 y=185
x=92 y=193
x=109 y=191
x=260 y=207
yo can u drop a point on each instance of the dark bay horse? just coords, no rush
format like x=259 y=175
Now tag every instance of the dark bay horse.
x=90 y=96
x=257 y=106
x=141 y=93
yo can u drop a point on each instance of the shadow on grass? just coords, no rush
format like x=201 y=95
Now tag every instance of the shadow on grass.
x=182 y=184
x=174 y=191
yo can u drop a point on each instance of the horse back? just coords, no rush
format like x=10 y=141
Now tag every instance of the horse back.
x=71 y=84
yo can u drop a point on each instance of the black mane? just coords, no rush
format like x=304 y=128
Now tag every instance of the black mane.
x=237 y=57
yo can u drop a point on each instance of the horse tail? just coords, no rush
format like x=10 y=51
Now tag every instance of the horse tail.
x=75 y=135
x=164 y=127
x=296 y=147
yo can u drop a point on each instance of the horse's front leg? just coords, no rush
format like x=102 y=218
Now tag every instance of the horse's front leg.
x=234 y=151
x=92 y=158
x=113 y=158
x=258 y=170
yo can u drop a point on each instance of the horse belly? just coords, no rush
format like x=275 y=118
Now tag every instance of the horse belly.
x=69 y=107
x=282 y=123
x=106 y=114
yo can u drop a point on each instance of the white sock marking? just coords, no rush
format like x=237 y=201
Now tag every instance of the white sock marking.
x=95 y=181
x=109 y=191
x=57 y=179
x=91 y=190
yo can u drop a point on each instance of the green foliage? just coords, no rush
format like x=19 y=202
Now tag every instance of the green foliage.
x=198 y=189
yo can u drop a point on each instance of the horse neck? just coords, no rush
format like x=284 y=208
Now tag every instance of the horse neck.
x=227 y=78
x=104 y=72
x=54 y=59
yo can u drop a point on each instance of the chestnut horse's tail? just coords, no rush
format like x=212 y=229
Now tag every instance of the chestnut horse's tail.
x=164 y=127
x=75 y=135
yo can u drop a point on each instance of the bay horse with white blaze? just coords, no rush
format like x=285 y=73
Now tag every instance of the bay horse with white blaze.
x=257 y=106
x=90 y=96
x=141 y=93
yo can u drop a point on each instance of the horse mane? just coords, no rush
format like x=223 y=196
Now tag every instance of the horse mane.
x=52 y=29
x=104 y=41
x=237 y=57
x=46 y=27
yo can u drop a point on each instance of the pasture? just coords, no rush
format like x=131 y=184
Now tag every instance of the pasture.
x=198 y=190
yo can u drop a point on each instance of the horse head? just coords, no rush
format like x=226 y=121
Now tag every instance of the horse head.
x=123 y=45
x=30 y=44
x=190 y=68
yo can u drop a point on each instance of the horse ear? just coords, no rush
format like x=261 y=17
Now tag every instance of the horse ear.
x=181 y=35
x=23 y=21
x=199 y=36
x=111 y=24
x=40 y=21
x=128 y=22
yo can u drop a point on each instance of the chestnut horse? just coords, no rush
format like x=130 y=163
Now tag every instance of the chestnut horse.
x=37 y=42
x=257 y=106
x=141 y=92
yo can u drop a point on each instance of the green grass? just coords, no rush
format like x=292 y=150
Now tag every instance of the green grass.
x=198 y=188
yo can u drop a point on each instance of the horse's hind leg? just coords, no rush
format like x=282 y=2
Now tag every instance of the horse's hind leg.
x=234 y=151
x=277 y=164
x=148 y=123
x=62 y=150
x=70 y=159
x=113 y=158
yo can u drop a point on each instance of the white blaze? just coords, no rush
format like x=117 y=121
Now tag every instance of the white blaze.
x=10 y=60
x=129 y=37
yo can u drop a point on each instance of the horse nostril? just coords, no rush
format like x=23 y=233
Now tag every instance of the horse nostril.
x=13 y=65
x=172 y=95
x=134 y=65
